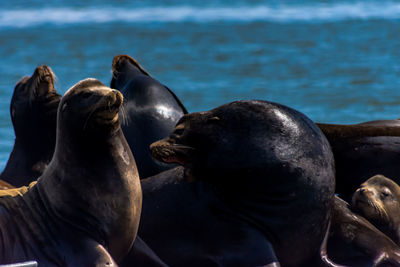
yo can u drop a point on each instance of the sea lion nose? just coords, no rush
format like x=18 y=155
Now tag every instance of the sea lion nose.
x=118 y=97
x=42 y=70
x=365 y=191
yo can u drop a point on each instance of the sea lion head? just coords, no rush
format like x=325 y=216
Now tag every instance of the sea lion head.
x=34 y=103
x=250 y=138
x=90 y=106
x=378 y=200
x=123 y=68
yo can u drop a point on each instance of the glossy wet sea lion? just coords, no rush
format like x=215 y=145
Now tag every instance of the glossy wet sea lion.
x=378 y=200
x=354 y=241
x=263 y=180
x=363 y=150
x=150 y=111
x=33 y=111
x=85 y=208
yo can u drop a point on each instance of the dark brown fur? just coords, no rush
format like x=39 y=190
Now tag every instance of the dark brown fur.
x=85 y=208
x=33 y=111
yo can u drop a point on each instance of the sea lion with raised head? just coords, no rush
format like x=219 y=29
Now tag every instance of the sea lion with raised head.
x=33 y=111
x=85 y=208
x=378 y=200
x=263 y=179
x=150 y=111
x=363 y=150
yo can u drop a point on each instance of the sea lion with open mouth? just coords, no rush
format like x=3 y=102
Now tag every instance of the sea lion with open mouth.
x=263 y=179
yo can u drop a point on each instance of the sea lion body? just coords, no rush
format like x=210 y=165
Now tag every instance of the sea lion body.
x=85 y=208
x=354 y=241
x=263 y=179
x=189 y=220
x=378 y=200
x=150 y=111
x=33 y=111
x=362 y=151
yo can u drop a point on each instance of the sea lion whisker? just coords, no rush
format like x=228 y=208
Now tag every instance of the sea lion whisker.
x=124 y=117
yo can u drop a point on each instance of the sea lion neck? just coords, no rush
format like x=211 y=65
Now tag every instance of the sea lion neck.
x=91 y=150
x=108 y=212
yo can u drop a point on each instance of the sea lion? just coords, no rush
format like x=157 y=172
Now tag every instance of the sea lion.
x=33 y=111
x=363 y=150
x=150 y=111
x=85 y=208
x=354 y=241
x=263 y=179
x=378 y=200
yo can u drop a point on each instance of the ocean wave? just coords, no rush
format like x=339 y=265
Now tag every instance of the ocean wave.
x=282 y=13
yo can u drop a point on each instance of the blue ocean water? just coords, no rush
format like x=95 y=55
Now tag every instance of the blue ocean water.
x=335 y=61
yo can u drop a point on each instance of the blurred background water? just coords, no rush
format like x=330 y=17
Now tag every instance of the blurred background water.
x=335 y=61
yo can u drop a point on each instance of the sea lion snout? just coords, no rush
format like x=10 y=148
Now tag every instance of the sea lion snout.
x=363 y=196
x=44 y=73
x=123 y=63
x=167 y=151
x=118 y=62
x=42 y=81
x=119 y=98
x=365 y=191
x=115 y=99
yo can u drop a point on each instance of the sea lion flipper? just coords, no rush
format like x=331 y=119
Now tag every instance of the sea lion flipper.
x=273 y=264
x=142 y=255
x=95 y=255
x=325 y=261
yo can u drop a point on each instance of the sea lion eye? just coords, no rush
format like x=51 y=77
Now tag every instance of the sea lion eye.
x=179 y=129
x=385 y=193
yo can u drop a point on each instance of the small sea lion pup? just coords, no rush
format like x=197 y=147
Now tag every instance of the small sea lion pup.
x=263 y=188
x=378 y=200
x=354 y=241
x=85 y=208
x=363 y=150
x=150 y=111
x=33 y=111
